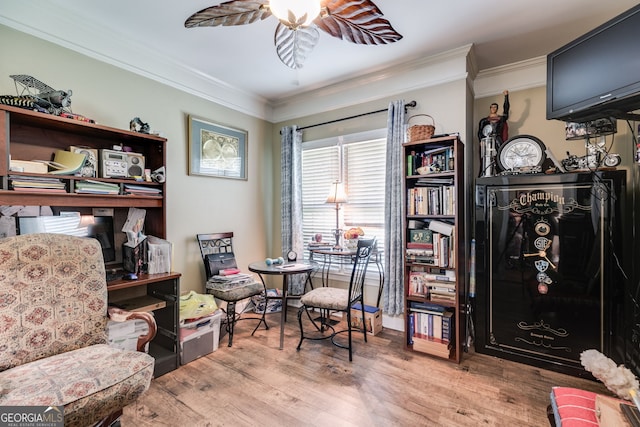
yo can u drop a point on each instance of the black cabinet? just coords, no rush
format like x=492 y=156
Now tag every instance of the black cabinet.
x=159 y=294
x=550 y=281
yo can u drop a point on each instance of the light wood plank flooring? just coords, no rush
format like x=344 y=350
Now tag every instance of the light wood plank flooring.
x=255 y=383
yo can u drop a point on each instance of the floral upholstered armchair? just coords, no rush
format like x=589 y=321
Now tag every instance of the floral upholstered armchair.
x=53 y=341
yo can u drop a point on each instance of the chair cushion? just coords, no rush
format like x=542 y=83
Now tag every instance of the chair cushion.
x=53 y=296
x=573 y=407
x=327 y=297
x=91 y=382
x=235 y=293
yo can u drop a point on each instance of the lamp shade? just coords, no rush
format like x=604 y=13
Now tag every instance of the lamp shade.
x=283 y=9
x=337 y=193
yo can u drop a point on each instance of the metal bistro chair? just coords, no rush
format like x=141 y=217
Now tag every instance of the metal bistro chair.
x=337 y=299
x=217 y=254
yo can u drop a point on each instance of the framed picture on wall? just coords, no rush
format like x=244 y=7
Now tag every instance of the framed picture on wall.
x=217 y=150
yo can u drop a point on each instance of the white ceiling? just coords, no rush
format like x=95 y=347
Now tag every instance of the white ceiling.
x=149 y=37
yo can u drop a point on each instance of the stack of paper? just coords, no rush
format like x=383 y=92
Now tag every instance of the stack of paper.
x=159 y=252
x=219 y=282
x=140 y=190
x=37 y=184
x=89 y=186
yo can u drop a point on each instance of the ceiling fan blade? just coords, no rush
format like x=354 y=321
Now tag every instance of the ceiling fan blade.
x=293 y=46
x=235 y=12
x=357 y=21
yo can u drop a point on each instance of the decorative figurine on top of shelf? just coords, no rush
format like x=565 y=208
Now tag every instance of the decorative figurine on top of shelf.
x=594 y=134
x=37 y=96
x=137 y=125
x=493 y=130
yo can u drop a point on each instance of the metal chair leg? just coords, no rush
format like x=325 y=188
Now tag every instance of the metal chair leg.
x=300 y=310
x=231 y=320
x=364 y=325
x=262 y=320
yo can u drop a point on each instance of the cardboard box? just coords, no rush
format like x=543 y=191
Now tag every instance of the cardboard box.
x=200 y=337
x=372 y=318
x=28 y=166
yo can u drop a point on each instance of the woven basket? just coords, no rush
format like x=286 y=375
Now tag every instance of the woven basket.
x=420 y=132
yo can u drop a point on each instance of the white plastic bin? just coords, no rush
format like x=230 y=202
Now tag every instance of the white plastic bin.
x=199 y=337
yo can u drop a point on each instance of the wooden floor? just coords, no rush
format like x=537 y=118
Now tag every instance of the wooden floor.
x=254 y=383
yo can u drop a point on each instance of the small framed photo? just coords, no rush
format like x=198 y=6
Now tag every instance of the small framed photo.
x=217 y=150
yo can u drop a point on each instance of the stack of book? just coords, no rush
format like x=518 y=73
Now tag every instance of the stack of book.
x=225 y=282
x=37 y=184
x=438 y=286
x=430 y=328
x=140 y=190
x=320 y=245
x=89 y=186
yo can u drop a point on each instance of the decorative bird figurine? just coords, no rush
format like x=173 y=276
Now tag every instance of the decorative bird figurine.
x=357 y=21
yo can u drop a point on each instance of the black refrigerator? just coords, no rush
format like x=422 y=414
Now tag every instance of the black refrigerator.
x=550 y=268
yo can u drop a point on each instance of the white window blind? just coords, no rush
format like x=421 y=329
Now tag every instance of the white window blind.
x=363 y=161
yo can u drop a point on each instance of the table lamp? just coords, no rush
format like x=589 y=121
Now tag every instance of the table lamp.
x=337 y=195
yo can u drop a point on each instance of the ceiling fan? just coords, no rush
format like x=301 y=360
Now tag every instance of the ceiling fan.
x=357 y=21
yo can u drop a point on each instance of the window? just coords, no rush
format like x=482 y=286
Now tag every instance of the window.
x=358 y=161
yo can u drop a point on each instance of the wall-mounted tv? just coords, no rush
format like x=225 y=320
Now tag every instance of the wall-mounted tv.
x=598 y=74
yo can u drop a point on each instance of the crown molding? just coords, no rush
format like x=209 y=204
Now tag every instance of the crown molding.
x=70 y=31
x=385 y=83
x=520 y=75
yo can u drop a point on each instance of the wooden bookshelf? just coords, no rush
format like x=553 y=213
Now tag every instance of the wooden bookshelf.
x=433 y=272
x=29 y=135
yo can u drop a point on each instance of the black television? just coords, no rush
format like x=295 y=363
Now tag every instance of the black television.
x=598 y=74
x=98 y=227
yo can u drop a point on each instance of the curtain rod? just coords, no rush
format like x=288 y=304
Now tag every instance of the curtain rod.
x=411 y=104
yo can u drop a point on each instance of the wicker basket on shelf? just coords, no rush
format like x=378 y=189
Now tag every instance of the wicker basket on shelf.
x=419 y=132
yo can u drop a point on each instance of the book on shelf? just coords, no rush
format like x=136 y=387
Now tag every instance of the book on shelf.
x=425 y=256
x=89 y=186
x=36 y=183
x=442 y=300
x=320 y=245
x=423 y=279
x=442 y=295
x=139 y=190
x=435 y=181
x=443 y=287
x=432 y=325
x=437 y=273
x=447 y=325
x=441 y=227
x=426 y=306
x=415 y=224
x=413 y=245
x=40 y=190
